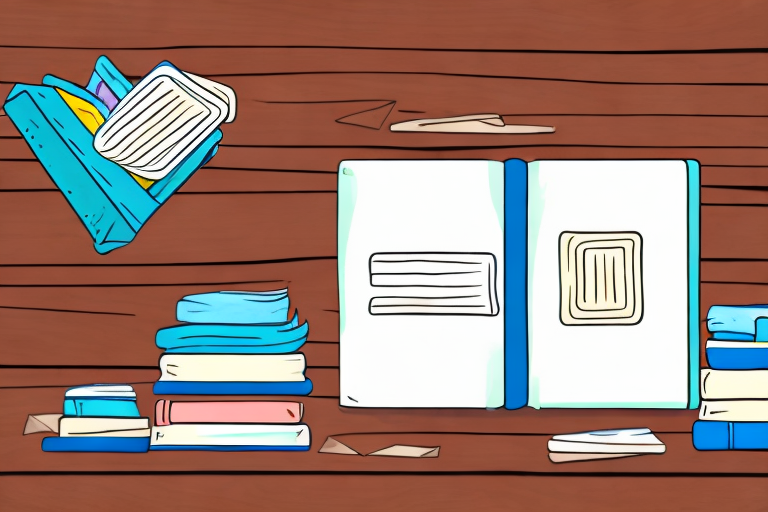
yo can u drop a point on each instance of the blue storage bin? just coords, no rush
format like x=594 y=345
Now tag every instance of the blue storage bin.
x=109 y=202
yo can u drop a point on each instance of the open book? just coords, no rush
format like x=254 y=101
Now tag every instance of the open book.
x=475 y=283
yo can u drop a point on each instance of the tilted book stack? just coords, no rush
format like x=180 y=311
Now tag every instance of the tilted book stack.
x=734 y=390
x=233 y=343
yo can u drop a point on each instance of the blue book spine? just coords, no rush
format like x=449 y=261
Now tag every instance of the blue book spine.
x=515 y=271
x=101 y=407
x=96 y=444
x=726 y=435
x=721 y=358
x=241 y=448
x=694 y=261
x=233 y=388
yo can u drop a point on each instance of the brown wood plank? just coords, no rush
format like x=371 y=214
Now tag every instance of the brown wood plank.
x=735 y=176
x=488 y=24
x=375 y=493
x=28 y=65
x=454 y=430
x=745 y=196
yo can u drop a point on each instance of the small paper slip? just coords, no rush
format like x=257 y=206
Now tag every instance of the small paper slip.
x=335 y=446
x=479 y=123
x=37 y=423
x=623 y=441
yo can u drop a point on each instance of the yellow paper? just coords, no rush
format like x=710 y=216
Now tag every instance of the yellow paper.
x=85 y=111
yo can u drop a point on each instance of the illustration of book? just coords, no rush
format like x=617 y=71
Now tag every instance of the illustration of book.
x=734 y=410
x=547 y=284
x=233 y=368
x=101 y=400
x=736 y=323
x=725 y=435
x=734 y=384
x=737 y=355
x=104 y=427
x=622 y=441
x=169 y=412
x=235 y=307
x=231 y=437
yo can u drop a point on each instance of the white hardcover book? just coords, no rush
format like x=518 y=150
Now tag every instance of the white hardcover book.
x=734 y=384
x=101 y=391
x=734 y=410
x=612 y=284
x=103 y=427
x=627 y=441
x=233 y=368
x=227 y=434
x=421 y=280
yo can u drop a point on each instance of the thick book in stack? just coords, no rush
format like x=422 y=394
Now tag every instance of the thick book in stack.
x=234 y=343
x=100 y=418
x=230 y=426
x=734 y=390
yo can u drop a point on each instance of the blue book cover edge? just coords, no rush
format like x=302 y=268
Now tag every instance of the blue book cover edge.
x=694 y=226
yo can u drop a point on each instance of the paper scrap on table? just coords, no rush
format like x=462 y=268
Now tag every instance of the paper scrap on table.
x=37 y=423
x=479 y=123
x=335 y=446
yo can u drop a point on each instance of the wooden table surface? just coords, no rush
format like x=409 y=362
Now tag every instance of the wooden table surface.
x=618 y=80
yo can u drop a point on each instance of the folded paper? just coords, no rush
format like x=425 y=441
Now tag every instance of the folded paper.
x=336 y=447
x=37 y=423
x=480 y=123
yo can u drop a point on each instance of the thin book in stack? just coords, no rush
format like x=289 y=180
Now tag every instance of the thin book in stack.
x=604 y=444
x=734 y=389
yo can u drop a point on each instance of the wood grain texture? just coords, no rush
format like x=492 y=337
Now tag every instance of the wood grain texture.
x=352 y=493
x=486 y=24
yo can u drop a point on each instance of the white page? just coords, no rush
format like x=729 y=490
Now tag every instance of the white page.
x=427 y=359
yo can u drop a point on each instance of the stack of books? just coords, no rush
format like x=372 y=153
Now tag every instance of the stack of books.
x=100 y=418
x=232 y=343
x=734 y=389
x=604 y=444
x=230 y=426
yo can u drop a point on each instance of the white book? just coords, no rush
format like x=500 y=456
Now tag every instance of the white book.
x=230 y=435
x=103 y=427
x=162 y=120
x=101 y=391
x=734 y=410
x=233 y=368
x=421 y=280
x=734 y=384
x=628 y=441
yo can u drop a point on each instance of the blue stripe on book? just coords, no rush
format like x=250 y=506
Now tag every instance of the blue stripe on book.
x=724 y=435
x=233 y=388
x=101 y=407
x=515 y=302
x=96 y=444
x=738 y=358
x=732 y=336
x=241 y=448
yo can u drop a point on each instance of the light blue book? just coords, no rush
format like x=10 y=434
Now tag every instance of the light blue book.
x=542 y=283
x=736 y=319
x=234 y=339
x=101 y=407
x=234 y=307
x=109 y=202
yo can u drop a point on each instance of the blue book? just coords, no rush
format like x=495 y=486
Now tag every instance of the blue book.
x=101 y=407
x=737 y=355
x=109 y=202
x=539 y=282
x=234 y=307
x=96 y=444
x=735 y=319
x=732 y=336
x=233 y=388
x=726 y=435
x=232 y=338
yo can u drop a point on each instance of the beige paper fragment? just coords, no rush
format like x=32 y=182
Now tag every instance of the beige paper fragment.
x=558 y=457
x=400 y=450
x=334 y=446
x=42 y=423
x=479 y=123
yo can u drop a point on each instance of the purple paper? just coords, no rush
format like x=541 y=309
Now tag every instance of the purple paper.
x=106 y=95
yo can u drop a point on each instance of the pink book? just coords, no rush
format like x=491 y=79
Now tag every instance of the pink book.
x=168 y=412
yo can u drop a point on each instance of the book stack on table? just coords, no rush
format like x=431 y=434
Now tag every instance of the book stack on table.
x=232 y=343
x=734 y=389
x=100 y=418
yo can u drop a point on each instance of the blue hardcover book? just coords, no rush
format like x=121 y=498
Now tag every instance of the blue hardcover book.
x=96 y=444
x=234 y=307
x=543 y=283
x=232 y=338
x=109 y=202
x=736 y=319
x=737 y=355
x=101 y=407
x=233 y=388
x=726 y=435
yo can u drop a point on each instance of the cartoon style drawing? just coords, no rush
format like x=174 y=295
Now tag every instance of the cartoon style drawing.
x=118 y=152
